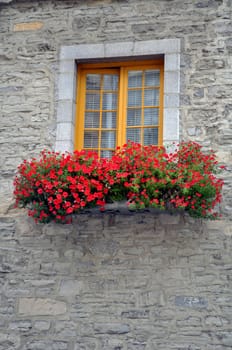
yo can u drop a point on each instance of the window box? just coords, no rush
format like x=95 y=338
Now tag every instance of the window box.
x=59 y=185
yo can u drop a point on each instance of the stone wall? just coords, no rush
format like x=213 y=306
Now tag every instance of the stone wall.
x=115 y=282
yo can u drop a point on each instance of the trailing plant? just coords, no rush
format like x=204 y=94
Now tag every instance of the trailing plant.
x=56 y=186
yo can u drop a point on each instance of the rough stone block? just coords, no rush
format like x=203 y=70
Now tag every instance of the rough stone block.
x=111 y=328
x=71 y=287
x=192 y=302
x=42 y=325
x=45 y=344
x=9 y=341
x=169 y=219
x=29 y=26
x=41 y=307
x=21 y=325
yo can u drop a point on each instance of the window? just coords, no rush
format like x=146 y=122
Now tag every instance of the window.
x=117 y=102
x=73 y=56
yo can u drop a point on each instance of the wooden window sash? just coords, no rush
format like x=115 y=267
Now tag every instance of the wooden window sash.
x=122 y=69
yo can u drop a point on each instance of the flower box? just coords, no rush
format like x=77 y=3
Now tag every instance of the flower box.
x=56 y=186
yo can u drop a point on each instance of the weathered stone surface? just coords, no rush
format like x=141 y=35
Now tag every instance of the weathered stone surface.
x=71 y=287
x=141 y=282
x=193 y=302
x=9 y=341
x=45 y=344
x=39 y=306
x=21 y=326
x=28 y=26
x=42 y=325
x=111 y=328
x=122 y=294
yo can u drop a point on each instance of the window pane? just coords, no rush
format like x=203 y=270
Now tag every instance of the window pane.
x=152 y=77
x=91 y=139
x=109 y=101
x=92 y=119
x=151 y=116
x=151 y=97
x=92 y=101
x=110 y=82
x=134 y=98
x=109 y=120
x=150 y=136
x=133 y=135
x=108 y=139
x=133 y=117
x=93 y=82
x=106 y=154
x=135 y=78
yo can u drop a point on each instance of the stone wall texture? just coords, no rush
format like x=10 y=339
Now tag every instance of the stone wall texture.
x=113 y=282
x=116 y=282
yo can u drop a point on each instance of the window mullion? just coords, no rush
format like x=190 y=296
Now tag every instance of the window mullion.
x=142 y=111
x=100 y=111
x=122 y=107
x=161 y=105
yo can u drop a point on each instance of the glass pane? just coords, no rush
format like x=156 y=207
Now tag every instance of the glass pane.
x=109 y=120
x=133 y=135
x=110 y=82
x=93 y=82
x=92 y=119
x=92 y=101
x=152 y=77
x=106 y=154
x=91 y=139
x=108 y=139
x=151 y=116
x=109 y=101
x=133 y=117
x=150 y=136
x=135 y=78
x=134 y=98
x=151 y=97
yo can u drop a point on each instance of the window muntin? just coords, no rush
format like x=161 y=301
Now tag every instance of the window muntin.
x=119 y=102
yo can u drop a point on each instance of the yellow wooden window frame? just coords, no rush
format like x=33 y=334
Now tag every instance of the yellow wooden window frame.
x=122 y=69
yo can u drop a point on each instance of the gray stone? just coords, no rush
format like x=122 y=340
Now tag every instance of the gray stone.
x=71 y=287
x=192 y=302
x=111 y=328
x=136 y=314
x=225 y=337
x=42 y=325
x=9 y=341
x=21 y=326
x=41 y=306
x=45 y=344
